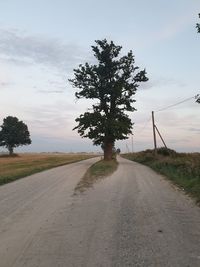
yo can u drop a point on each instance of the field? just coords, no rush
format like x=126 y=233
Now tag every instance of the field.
x=182 y=168
x=12 y=168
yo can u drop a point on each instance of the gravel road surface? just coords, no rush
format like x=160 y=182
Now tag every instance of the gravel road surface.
x=135 y=217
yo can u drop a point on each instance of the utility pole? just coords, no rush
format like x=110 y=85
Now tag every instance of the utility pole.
x=127 y=149
x=154 y=134
x=132 y=143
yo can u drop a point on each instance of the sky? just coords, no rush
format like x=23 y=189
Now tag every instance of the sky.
x=42 y=41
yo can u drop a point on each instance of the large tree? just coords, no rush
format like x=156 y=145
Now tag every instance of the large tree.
x=14 y=133
x=112 y=82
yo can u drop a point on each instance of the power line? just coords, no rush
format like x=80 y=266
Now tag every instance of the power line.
x=142 y=128
x=167 y=107
x=162 y=109
x=145 y=125
x=178 y=103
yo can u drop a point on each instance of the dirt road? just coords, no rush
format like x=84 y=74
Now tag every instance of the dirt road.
x=132 y=218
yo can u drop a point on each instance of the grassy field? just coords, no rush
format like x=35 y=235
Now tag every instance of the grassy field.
x=97 y=171
x=182 y=168
x=12 y=168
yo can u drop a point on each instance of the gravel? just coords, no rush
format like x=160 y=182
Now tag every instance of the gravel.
x=134 y=217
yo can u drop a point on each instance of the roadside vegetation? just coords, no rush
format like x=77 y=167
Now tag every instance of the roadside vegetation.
x=182 y=168
x=18 y=166
x=97 y=171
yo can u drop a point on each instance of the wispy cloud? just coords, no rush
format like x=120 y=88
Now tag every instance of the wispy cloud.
x=168 y=30
x=56 y=119
x=4 y=84
x=161 y=81
x=175 y=26
x=197 y=130
x=50 y=91
x=23 y=49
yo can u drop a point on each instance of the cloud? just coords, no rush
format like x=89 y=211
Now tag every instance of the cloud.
x=4 y=84
x=175 y=26
x=177 y=141
x=162 y=81
x=58 y=84
x=50 y=91
x=54 y=120
x=170 y=28
x=197 y=130
x=53 y=144
x=19 y=48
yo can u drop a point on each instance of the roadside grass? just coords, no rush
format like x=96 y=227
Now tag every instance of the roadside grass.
x=97 y=171
x=19 y=166
x=182 y=168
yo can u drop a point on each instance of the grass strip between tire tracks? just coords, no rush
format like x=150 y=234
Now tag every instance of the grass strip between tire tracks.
x=96 y=172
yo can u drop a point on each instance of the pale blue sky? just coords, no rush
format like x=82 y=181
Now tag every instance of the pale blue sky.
x=42 y=41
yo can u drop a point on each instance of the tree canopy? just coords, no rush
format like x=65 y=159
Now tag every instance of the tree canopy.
x=111 y=82
x=14 y=133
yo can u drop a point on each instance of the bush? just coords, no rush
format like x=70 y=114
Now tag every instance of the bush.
x=166 y=151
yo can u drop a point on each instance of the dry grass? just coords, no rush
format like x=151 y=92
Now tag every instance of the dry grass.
x=12 y=168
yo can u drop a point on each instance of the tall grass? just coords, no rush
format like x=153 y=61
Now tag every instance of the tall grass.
x=182 y=168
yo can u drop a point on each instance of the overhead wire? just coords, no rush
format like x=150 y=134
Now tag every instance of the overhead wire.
x=178 y=103
x=162 y=109
x=143 y=127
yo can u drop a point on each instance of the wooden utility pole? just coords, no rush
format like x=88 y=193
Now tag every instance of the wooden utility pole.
x=132 y=143
x=154 y=134
x=127 y=149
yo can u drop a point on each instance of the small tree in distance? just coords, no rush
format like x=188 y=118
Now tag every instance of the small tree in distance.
x=14 y=133
x=198 y=26
x=118 y=151
x=112 y=83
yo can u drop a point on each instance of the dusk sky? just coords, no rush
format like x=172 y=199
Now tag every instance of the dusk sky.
x=42 y=41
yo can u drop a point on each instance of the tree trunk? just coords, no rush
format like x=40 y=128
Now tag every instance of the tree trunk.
x=108 y=151
x=10 y=149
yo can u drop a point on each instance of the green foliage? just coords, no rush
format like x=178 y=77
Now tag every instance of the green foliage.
x=182 y=168
x=14 y=133
x=166 y=151
x=112 y=83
